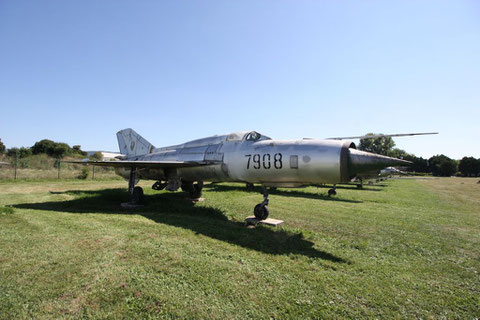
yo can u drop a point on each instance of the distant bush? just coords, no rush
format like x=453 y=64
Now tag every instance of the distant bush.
x=97 y=156
x=21 y=152
x=77 y=149
x=56 y=149
x=2 y=147
x=83 y=174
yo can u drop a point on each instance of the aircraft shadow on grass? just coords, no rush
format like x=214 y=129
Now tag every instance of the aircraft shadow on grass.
x=176 y=210
x=280 y=192
x=376 y=187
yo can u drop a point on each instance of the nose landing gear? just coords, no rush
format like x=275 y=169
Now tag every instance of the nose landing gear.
x=261 y=210
x=332 y=192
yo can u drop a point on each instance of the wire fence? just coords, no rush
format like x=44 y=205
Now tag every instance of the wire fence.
x=43 y=167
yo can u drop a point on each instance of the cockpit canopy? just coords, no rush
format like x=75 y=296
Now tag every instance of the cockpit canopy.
x=255 y=136
x=246 y=136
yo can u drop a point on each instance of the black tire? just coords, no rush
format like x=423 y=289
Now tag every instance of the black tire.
x=332 y=192
x=187 y=187
x=196 y=192
x=261 y=211
x=250 y=186
x=137 y=196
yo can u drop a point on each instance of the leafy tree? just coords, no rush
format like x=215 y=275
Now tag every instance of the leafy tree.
x=398 y=153
x=54 y=149
x=2 y=147
x=43 y=146
x=78 y=149
x=469 y=166
x=12 y=152
x=418 y=164
x=380 y=145
x=60 y=150
x=441 y=165
x=21 y=152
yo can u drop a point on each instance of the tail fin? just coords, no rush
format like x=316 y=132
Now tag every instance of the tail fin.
x=132 y=144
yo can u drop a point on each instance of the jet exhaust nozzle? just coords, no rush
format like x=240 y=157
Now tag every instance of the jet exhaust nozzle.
x=366 y=162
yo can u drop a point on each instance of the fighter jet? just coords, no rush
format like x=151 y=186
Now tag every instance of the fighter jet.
x=248 y=157
x=390 y=171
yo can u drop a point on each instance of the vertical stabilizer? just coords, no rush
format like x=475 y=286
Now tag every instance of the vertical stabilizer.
x=132 y=144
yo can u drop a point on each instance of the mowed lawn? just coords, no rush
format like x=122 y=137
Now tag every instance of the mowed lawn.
x=404 y=248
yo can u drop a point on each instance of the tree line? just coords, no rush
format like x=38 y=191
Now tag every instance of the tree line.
x=51 y=148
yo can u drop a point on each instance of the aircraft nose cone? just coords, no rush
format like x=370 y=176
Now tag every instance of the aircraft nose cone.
x=364 y=162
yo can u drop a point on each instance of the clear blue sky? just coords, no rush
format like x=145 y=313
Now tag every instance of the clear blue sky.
x=79 y=71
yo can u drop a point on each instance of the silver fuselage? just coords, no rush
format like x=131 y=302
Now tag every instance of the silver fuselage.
x=286 y=163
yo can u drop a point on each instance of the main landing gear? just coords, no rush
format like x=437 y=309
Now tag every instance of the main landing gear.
x=136 y=193
x=360 y=185
x=194 y=190
x=261 y=209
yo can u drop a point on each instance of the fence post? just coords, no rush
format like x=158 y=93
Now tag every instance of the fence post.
x=93 y=172
x=58 y=169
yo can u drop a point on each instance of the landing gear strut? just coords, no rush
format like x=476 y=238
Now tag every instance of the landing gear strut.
x=332 y=192
x=197 y=190
x=194 y=190
x=136 y=193
x=261 y=209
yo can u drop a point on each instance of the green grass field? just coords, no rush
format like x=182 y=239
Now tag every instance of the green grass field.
x=401 y=249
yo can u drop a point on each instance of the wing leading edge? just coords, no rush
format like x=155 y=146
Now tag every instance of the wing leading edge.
x=374 y=136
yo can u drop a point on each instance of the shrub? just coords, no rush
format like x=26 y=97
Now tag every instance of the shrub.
x=83 y=174
x=2 y=147
x=97 y=156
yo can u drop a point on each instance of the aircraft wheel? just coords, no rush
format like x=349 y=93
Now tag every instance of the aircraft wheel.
x=332 y=192
x=261 y=211
x=137 y=196
x=250 y=186
x=187 y=187
x=196 y=193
